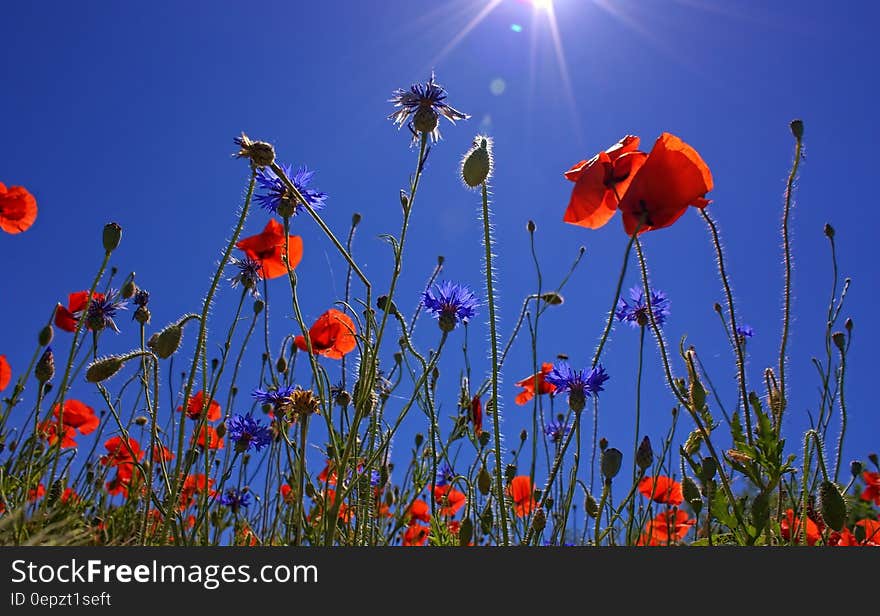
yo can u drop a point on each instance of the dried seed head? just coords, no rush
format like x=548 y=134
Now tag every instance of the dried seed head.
x=303 y=403
x=260 y=153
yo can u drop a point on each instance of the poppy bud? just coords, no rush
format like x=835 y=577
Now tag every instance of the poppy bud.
x=603 y=443
x=45 y=368
x=839 y=340
x=465 y=532
x=591 y=506
x=692 y=444
x=691 y=493
x=286 y=206
x=404 y=200
x=552 y=298
x=476 y=166
x=440 y=260
x=165 y=343
x=829 y=230
x=484 y=439
x=128 y=289
x=717 y=307
x=383 y=304
x=539 y=521
x=112 y=236
x=510 y=472
x=848 y=324
x=644 y=454
x=46 y=335
x=55 y=491
x=425 y=120
x=142 y=315
x=484 y=481
x=708 y=468
x=523 y=435
x=873 y=458
x=258 y=306
x=260 y=153
x=420 y=438
x=140 y=420
x=102 y=369
x=281 y=364
x=833 y=505
x=855 y=467
x=221 y=429
x=797 y=129
x=355 y=219
x=610 y=464
x=530 y=226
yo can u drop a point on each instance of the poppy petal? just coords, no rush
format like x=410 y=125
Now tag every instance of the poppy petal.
x=5 y=373
x=18 y=209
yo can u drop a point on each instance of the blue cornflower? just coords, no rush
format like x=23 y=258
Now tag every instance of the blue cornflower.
x=101 y=310
x=635 y=312
x=557 y=430
x=745 y=331
x=249 y=274
x=580 y=384
x=246 y=432
x=445 y=475
x=141 y=298
x=426 y=104
x=276 y=191
x=278 y=399
x=234 y=499
x=450 y=302
x=375 y=478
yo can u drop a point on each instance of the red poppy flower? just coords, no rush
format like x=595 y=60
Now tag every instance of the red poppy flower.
x=332 y=335
x=267 y=248
x=192 y=485
x=842 y=538
x=477 y=415
x=345 y=512
x=208 y=434
x=790 y=525
x=450 y=499
x=18 y=209
x=123 y=454
x=245 y=536
x=870 y=493
x=67 y=318
x=78 y=416
x=2 y=507
x=287 y=493
x=672 y=178
x=161 y=452
x=528 y=385
x=415 y=535
x=666 y=528
x=36 y=493
x=419 y=510
x=195 y=404
x=69 y=495
x=523 y=494
x=600 y=180
x=661 y=489
x=872 y=531
x=49 y=430
x=5 y=373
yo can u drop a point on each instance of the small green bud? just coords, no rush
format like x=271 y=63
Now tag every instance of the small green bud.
x=833 y=506
x=611 y=460
x=510 y=472
x=404 y=199
x=591 y=506
x=644 y=454
x=552 y=298
x=112 y=236
x=166 y=342
x=855 y=468
x=484 y=481
x=140 y=420
x=129 y=288
x=221 y=429
x=691 y=493
x=355 y=219
x=523 y=435
x=465 y=532
x=102 y=369
x=46 y=335
x=45 y=368
x=142 y=315
x=797 y=129
x=281 y=364
x=258 y=306
x=603 y=443
x=839 y=339
x=420 y=438
x=708 y=468
x=530 y=226
x=829 y=230
x=476 y=166
x=848 y=324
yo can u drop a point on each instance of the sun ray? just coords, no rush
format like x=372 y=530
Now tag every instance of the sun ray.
x=563 y=70
x=473 y=23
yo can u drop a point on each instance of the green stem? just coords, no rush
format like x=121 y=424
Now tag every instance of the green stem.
x=786 y=243
x=632 y=507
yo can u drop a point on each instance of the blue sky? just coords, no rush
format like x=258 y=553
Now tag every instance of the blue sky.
x=126 y=112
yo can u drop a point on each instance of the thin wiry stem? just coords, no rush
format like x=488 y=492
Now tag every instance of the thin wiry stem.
x=786 y=242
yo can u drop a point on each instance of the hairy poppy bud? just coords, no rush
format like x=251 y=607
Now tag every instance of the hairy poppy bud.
x=484 y=481
x=46 y=335
x=260 y=153
x=355 y=219
x=797 y=129
x=166 y=342
x=523 y=435
x=45 y=368
x=644 y=454
x=129 y=288
x=112 y=236
x=281 y=364
x=102 y=369
x=591 y=506
x=833 y=505
x=691 y=493
x=708 y=468
x=476 y=166
x=465 y=532
x=510 y=472
x=610 y=464
x=552 y=298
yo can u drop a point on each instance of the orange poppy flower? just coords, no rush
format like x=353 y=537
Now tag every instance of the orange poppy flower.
x=195 y=404
x=872 y=531
x=122 y=453
x=450 y=499
x=192 y=485
x=2 y=507
x=67 y=318
x=599 y=180
x=36 y=493
x=345 y=512
x=5 y=373
x=672 y=178
x=69 y=495
x=208 y=434
x=666 y=528
x=477 y=415
x=419 y=510
x=332 y=335
x=523 y=494
x=50 y=430
x=18 y=209
x=790 y=525
x=870 y=493
x=161 y=452
x=268 y=247
x=415 y=535
x=528 y=385
x=78 y=416
x=661 y=489
x=287 y=493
